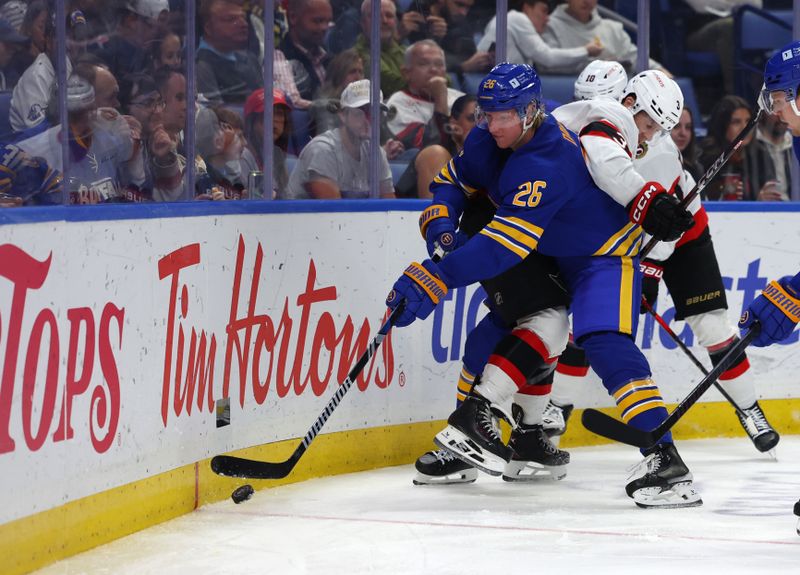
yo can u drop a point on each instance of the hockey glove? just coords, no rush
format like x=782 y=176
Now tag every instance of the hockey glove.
x=422 y=288
x=651 y=277
x=778 y=310
x=659 y=213
x=438 y=229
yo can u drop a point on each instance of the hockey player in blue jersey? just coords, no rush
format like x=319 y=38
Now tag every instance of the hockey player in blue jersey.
x=26 y=180
x=780 y=94
x=534 y=172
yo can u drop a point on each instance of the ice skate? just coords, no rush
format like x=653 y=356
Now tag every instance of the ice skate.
x=535 y=457
x=441 y=467
x=662 y=480
x=758 y=429
x=472 y=436
x=554 y=420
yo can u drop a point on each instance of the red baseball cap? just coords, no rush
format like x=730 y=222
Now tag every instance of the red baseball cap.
x=255 y=101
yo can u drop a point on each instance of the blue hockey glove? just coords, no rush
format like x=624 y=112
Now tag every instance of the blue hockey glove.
x=778 y=310
x=422 y=288
x=438 y=228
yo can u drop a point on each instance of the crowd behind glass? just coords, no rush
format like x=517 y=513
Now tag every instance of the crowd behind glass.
x=127 y=101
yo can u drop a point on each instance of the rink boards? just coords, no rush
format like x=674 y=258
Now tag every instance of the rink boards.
x=122 y=328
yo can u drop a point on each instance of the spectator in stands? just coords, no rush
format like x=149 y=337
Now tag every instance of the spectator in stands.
x=576 y=24
x=684 y=138
x=226 y=72
x=392 y=54
x=220 y=142
x=283 y=78
x=711 y=30
x=415 y=181
x=774 y=135
x=423 y=108
x=11 y=42
x=106 y=88
x=13 y=12
x=165 y=51
x=336 y=164
x=423 y=20
x=171 y=84
x=345 y=68
x=33 y=26
x=346 y=25
x=525 y=44
x=461 y=54
x=137 y=26
x=104 y=153
x=254 y=135
x=142 y=100
x=33 y=91
x=309 y=21
x=750 y=174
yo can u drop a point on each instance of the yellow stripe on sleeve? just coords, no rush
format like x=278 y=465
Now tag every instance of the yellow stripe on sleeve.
x=514 y=233
x=606 y=247
x=505 y=242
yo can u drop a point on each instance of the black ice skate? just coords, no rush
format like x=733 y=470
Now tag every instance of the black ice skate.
x=473 y=436
x=554 y=420
x=535 y=456
x=441 y=467
x=758 y=429
x=662 y=480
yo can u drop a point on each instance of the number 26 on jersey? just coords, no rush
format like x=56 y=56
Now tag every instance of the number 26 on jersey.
x=529 y=194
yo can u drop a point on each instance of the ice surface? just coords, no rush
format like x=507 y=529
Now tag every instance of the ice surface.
x=378 y=522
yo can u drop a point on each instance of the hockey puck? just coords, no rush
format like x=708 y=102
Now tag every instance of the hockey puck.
x=242 y=493
x=797 y=508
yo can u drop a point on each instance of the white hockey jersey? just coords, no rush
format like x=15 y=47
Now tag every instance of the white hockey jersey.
x=609 y=138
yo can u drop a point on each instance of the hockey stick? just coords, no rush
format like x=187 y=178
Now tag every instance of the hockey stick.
x=606 y=426
x=231 y=466
x=690 y=355
x=710 y=174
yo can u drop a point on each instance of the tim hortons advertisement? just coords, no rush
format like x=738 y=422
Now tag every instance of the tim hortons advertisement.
x=121 y=340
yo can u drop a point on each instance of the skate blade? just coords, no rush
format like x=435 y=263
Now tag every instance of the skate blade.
x=466 y=476
x=457 y=443
x=773 y=454
x=521 y=471
x=677 y=496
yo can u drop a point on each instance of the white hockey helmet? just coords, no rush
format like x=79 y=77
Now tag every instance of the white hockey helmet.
x=658 y=95
x=601 y=78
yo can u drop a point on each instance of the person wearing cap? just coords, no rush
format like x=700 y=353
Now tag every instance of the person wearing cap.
x=105 y=162
x=126 y=50
x=11 y=42
x=226 y=72
x=254 y=135
x=336 y=164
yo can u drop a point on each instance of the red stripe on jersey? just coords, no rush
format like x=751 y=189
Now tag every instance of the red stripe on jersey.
x=735 y=371
x=605 y=129
x=700 y=224
x=537 y=344
x=509 y=369
x=536 y=389
x=573 y=370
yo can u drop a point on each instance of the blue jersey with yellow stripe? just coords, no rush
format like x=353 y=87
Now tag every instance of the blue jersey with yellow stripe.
x=546 y=201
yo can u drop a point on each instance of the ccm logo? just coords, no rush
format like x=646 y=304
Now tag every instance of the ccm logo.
x=641 y=203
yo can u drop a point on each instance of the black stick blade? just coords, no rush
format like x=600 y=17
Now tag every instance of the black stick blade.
x=230 y=466
x=605 y=425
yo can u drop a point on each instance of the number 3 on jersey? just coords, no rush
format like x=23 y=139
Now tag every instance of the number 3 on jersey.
x=529 y=195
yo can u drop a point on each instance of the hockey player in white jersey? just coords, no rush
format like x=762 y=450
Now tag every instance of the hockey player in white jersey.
x=688 y=265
